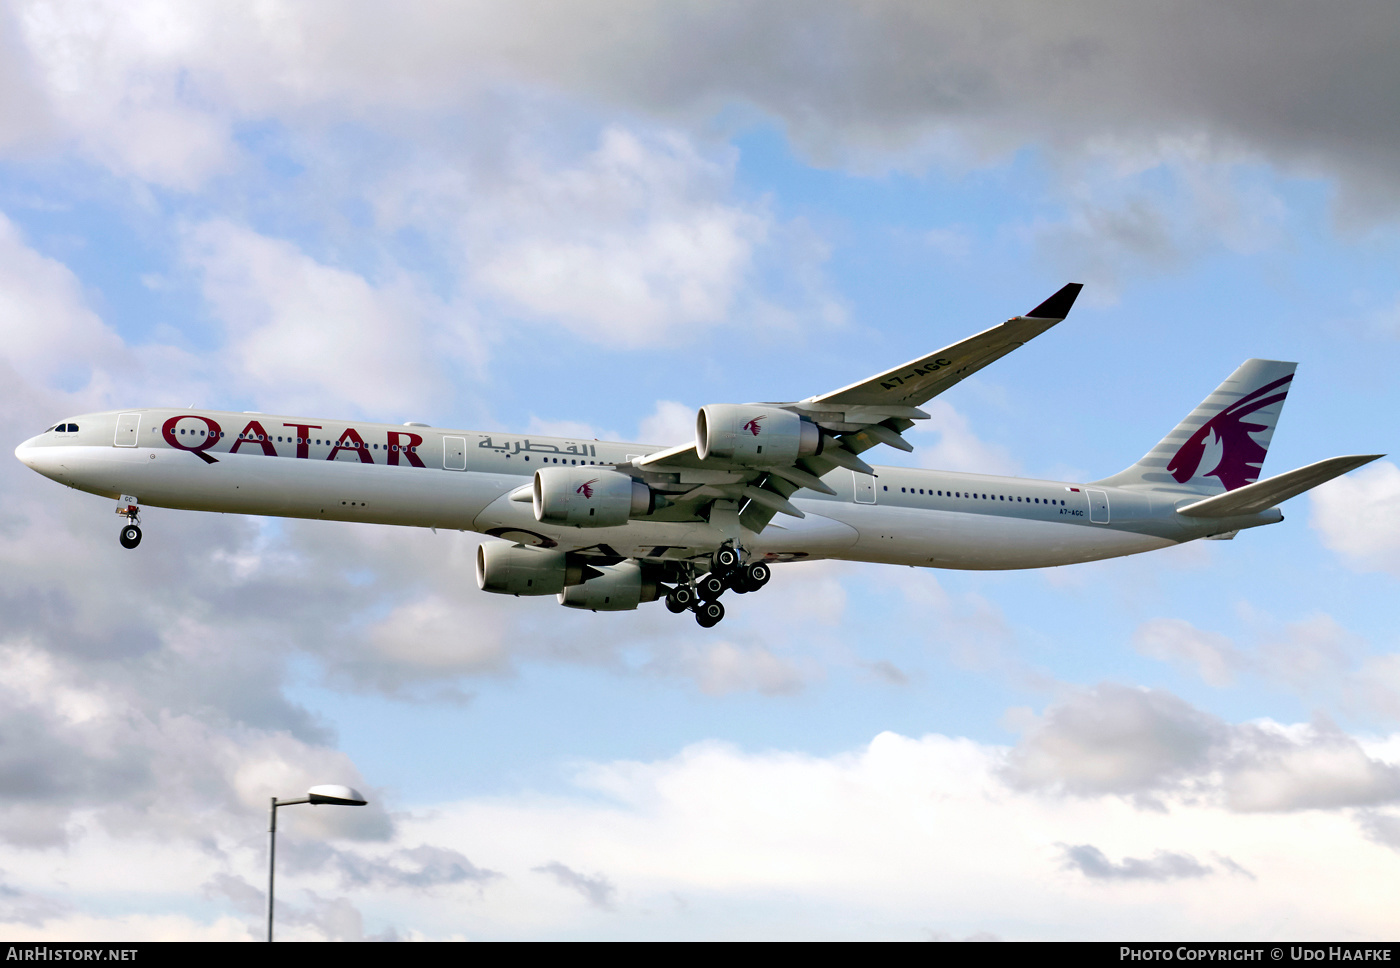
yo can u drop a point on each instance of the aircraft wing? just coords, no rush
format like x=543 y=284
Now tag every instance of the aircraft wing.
x=852 y=420
x=919 y=381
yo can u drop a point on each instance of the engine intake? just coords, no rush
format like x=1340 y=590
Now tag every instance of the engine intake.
x=590 y=497
x=754 y=435
x=619 y=588
x=508 y=569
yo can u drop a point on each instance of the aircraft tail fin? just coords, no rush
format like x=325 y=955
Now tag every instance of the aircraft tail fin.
x=1221 y=445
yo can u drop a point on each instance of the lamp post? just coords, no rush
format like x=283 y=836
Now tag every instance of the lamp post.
x=328 y=793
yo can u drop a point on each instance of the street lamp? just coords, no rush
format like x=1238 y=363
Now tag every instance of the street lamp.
x=327 y=793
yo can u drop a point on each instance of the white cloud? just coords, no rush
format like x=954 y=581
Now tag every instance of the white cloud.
x=836 y=846
x=957 y=448
x=1150 y=746
x=969 y=629
x=1214 y=656
x=116 y=82
x=1310 y=655
x=724 y=667
x=1314 y=657
x=155 y=89
x=1134 y=210
x=1300 y=769
x=1114 y=739
x=48 y=332
x=843 y=846
x=1375 y=687
x=671 y=423
x=634 y=246
x=1358 y=517
x=307 y=336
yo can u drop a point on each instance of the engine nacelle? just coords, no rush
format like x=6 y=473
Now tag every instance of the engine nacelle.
x=508 y=569
x=590 y=497
x=754 y=435
x=619 y=588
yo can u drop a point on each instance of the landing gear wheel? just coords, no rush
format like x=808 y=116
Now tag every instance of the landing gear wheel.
x=131 y=536
x=757 y=575
x=726 y=558
x=680 y=598
x=711 y=587
x=708 y=614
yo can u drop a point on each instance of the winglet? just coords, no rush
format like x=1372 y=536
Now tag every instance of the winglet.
x=1058 y=305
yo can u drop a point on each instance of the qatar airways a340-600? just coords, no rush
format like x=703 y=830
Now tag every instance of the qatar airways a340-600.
x=608 y=526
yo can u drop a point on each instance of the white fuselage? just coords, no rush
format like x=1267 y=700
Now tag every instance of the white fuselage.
x=427 y=477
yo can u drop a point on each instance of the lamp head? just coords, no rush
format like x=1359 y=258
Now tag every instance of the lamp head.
x=335 y=793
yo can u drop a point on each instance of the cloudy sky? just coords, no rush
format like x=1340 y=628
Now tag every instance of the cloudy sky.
x=593 y=219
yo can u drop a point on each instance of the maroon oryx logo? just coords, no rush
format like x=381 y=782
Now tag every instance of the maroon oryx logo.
x=586 y=488
x=1240 y=455
x=752 y=426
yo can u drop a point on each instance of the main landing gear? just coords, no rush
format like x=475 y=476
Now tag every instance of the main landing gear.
x=725 y=574
x=131 y=531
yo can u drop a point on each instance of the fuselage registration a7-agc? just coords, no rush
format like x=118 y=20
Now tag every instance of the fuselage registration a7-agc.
x=609 y=526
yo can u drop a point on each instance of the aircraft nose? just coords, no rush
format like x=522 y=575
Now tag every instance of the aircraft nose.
x=26 y=452
x=36 y=457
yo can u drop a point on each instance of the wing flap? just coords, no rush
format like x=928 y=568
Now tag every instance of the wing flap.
x=1262 y=495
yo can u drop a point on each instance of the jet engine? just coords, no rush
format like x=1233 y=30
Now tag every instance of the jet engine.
x=590 y=497
x=516 y=570
x=619 y=588
x=755 y=435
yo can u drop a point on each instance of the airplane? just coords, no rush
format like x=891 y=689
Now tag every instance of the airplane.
x=609 y=526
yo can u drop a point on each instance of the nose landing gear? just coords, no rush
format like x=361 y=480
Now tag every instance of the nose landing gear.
x=131 y=533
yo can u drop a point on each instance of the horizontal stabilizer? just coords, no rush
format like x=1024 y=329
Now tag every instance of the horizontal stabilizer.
x=1262 y=495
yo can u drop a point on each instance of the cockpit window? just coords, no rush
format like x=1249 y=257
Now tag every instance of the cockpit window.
x=72 y=428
